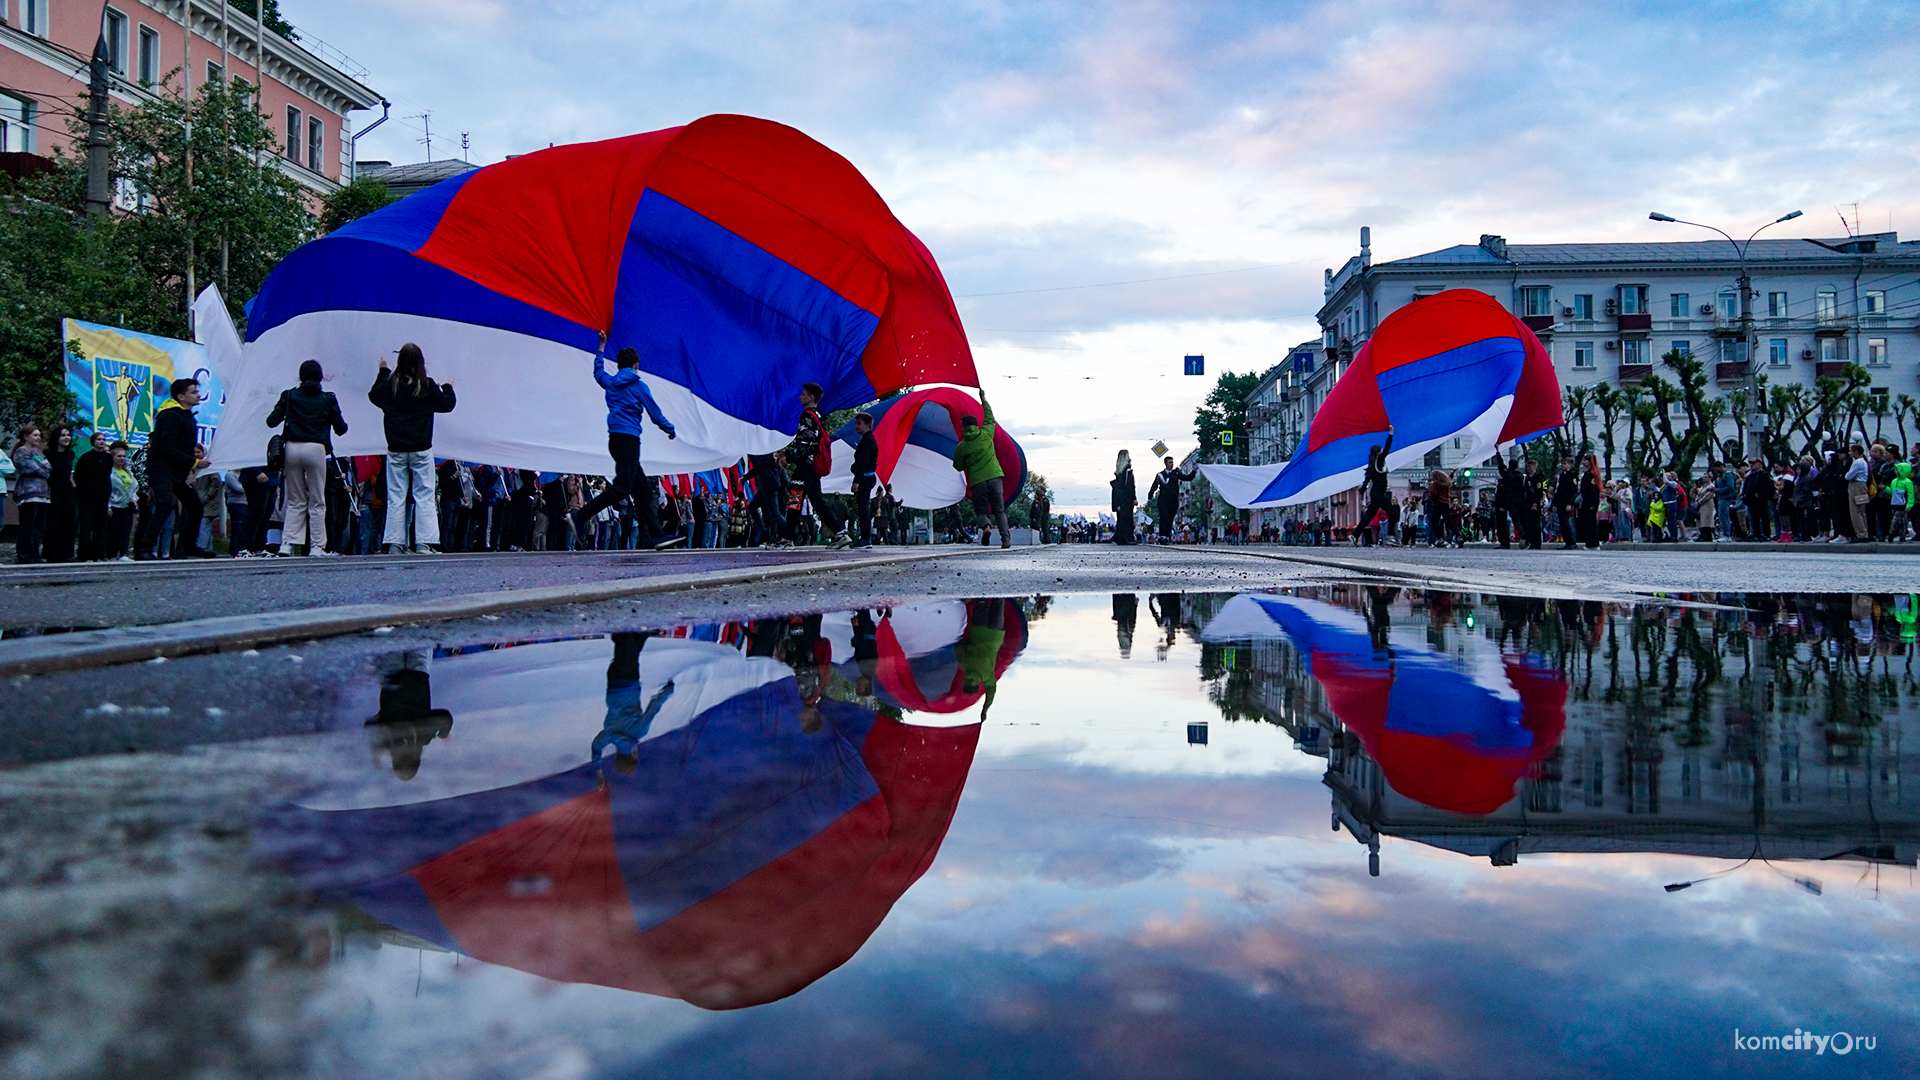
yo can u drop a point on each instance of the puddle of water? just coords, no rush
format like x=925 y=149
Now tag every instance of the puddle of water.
x=1340 y=829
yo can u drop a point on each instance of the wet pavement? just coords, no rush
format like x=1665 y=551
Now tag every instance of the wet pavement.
x=1313 y=829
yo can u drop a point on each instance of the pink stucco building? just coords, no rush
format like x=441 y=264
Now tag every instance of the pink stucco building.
x=309 y=89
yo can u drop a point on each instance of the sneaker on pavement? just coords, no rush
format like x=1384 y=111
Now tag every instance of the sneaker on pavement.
x=396 y=549
x=286 y=550
x=425 y=549
x=322 y=553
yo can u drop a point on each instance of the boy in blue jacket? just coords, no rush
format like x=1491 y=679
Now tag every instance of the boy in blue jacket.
x=629 y=404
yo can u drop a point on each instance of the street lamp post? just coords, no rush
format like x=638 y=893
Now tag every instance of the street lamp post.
x=1756 y=411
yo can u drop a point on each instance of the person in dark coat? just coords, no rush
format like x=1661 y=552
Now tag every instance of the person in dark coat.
x=866 y=475
x=92 y=487
x=1125 y=498
x=408 y=400
x=312 y=417
x=1506 y=499
x=1165 y=493
x=1758 y=493
x=1566 y=494
x=60 y=506
x=1590 y=503
x=1040 y=515
x=1379 y=511
x=172 y=455
x=1532 y=492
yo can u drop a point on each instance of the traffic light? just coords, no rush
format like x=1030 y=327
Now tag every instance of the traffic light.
x=1466 y=474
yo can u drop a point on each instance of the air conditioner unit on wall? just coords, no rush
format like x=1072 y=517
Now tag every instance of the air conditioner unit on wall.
x=1611 y=344
x=1806 y=354
x=1566 y=311
x=1706 y=309
x=1613 y=307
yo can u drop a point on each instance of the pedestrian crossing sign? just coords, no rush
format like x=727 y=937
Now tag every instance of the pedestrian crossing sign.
x=1226 y=438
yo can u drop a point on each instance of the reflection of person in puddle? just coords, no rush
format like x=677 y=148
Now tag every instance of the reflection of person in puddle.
x=407 y=721
x=866 y=651
x=811 y=657
x=1126 y=612
x=1379 y=613
x=1165 y=608
x=979 y=649
x=627 y=721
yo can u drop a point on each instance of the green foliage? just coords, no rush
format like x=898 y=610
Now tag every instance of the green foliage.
x=217 y=197
x=274 y=20
x=129 y=270
x=355 y=200
x=1020 y=510
x=1225 y=409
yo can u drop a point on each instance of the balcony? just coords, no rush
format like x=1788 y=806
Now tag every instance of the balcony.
x=1539 y=324
x=1634 y=372
x=1642 y=321
x=1831 y=369
x=1732 y=371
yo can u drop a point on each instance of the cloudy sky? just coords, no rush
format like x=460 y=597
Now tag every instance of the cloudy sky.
x=1110 y=186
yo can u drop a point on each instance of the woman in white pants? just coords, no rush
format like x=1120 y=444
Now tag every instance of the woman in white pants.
x=407 y=400
x=312 y=418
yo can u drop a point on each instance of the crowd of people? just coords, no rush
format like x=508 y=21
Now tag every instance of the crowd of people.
x=109 y=501
x=1863 y=492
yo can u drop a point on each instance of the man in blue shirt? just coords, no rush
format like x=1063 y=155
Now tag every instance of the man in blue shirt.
x=629 y=404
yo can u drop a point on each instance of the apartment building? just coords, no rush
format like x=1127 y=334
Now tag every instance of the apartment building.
x=1608 y=312
x=310 y=89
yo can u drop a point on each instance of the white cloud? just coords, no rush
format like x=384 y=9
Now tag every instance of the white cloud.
x=1036 y=146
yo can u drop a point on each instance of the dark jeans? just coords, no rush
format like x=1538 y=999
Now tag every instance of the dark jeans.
x=1166 y=522
x=58 y=546
x=1529 y=528
x=33 y=532
x=1500 y=528
x=1123 y=524
x=92 y=518
x=629 y=481
x=827 y=512
x=1760 y=514
x=1569 y=534
x=119 y=532
x=173 y=503
x=863 y=505
x=990 y=507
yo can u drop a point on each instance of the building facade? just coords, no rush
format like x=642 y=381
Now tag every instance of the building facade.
x=46 y=45
x=1607 y=313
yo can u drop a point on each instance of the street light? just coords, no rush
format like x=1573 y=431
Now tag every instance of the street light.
x=1756 y=414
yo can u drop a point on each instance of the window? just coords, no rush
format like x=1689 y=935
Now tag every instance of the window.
x=1833 y=349
x=1875 y=303
x=1880 y=396
x=1684 y=348
x=33 y=17
x=1826 y=306
x=316 y=143
x=16 y=124
x=149 y=56
x=1536 y=300
x=1583 y=306
x=1633 y=299
x=1677 y=305
x=1776 y=305
x=1729 y=303
x=1633 y=351
x=1583 y=354
x=1777 y=354
x=116 y=42
x=1877 y=351
x=294 y=134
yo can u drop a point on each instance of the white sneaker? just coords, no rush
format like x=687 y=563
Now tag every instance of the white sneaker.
x=322 y=553
x=124 y=558
x=286 y=550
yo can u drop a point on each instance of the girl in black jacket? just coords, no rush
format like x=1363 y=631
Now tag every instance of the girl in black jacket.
x=408 y=400
x=312 y=418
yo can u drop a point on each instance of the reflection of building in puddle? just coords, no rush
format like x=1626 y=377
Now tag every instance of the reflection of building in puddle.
x=1769 y=726
x=740 y=825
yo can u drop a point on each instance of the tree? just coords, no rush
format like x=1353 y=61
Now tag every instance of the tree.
x=355 y=200
x=1225 y=409
x=1574 y=403
x=1905 y=407
x=1611 y=402
x=273 y=21
x=213 y=193
x=1020 y=510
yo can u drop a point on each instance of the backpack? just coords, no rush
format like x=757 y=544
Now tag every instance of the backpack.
x=277 y=453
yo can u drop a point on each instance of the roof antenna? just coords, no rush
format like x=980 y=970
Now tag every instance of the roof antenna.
x=426 y=124
x=463 y=147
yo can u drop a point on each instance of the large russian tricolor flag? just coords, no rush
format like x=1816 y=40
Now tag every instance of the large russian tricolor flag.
x=1453 y=365
x=741 y=258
